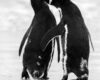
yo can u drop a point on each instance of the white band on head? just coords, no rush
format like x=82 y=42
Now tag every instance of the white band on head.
x=50 y=1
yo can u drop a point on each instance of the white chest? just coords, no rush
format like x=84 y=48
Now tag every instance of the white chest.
x=56 y=12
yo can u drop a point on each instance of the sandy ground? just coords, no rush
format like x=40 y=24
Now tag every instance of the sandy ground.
x=16 y=17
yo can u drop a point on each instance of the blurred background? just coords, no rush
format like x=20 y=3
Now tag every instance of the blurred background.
x=16 y=17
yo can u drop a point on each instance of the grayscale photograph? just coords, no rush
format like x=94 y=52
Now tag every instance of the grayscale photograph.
x=49 y=39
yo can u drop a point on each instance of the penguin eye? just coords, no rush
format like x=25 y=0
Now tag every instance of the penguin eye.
x=38 y=63
x=39 y=57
